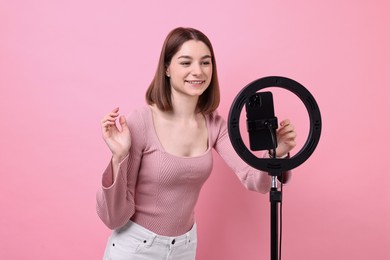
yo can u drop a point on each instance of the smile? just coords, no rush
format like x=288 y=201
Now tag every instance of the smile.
x=195 y=82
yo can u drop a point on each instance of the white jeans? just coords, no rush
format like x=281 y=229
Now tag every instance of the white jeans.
x=134 y=242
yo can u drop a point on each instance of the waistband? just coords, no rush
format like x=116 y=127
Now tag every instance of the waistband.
x=150 y=237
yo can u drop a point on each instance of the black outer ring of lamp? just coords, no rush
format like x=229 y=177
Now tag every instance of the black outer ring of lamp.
x=271 y=165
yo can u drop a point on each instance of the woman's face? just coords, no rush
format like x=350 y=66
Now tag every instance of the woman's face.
x=191 y=69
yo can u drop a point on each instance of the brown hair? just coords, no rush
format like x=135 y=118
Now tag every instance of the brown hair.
x=159 y=91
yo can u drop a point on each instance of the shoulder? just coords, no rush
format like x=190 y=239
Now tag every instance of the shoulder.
x=215 y=120
x=139 y=113
x=138 y=117
x=216 y=125
x=138 y=122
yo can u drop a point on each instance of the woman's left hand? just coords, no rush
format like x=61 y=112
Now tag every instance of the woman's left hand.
x=285 y=135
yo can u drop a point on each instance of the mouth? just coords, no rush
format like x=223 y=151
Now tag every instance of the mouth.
x=195 y=82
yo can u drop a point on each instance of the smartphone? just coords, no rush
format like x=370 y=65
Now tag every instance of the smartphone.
x=261 y=121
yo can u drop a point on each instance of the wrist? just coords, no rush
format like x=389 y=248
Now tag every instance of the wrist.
x=283 y=156
x=117 y=159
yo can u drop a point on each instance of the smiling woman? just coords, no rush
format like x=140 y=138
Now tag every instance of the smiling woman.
x=151 y=186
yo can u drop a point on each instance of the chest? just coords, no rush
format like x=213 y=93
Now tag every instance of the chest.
x=160 y=170
x=183 y=139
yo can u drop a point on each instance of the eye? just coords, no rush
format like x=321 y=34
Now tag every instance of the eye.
x=185 y=63
x=206 y=63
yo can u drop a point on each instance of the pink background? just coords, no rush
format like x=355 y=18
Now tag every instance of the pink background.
x=64 y=64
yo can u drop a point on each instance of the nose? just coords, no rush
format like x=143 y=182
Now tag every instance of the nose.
x=197 y=69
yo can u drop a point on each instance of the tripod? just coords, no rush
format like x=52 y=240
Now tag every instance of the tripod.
x=275 y=167
x=275 y=197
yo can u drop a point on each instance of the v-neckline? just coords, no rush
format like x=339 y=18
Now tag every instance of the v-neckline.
x=162 y=148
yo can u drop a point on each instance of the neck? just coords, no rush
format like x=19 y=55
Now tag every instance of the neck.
x=184 y=107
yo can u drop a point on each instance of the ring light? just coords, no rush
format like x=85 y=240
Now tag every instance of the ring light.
x=272 y=165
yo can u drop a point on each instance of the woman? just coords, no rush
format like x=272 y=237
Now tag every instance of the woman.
x=162 y=155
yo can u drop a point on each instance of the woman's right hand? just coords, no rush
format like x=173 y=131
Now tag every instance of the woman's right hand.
x=117 y=140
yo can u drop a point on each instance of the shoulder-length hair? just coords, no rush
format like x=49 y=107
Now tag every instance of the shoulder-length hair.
x=159 y=91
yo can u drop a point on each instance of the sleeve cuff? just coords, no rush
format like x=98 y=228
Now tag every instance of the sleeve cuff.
x=107 y=179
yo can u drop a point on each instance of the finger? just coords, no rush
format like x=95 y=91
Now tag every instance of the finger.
x=285 y=122
x=107 y=119
x=113 y=113
x=108 y=123
x=286 y=129
x=290 y=136
x=286 y=132
x=290 y=144
x=110 y=117
x=108 y=129
x=122 y=121
x=287 y=143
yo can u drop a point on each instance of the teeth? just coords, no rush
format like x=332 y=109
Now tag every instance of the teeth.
x=195 y=82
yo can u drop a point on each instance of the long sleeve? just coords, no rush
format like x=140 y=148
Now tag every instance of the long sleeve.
x=115 y=200
x=250 y=177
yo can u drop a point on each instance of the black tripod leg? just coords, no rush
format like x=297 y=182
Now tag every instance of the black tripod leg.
x=275 y=198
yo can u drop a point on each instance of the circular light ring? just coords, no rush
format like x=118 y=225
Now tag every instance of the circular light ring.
x=271 y=165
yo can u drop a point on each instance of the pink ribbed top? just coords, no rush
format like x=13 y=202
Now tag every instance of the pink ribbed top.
x=158 y=190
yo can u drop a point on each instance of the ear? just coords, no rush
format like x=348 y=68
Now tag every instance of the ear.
x=167 y=73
